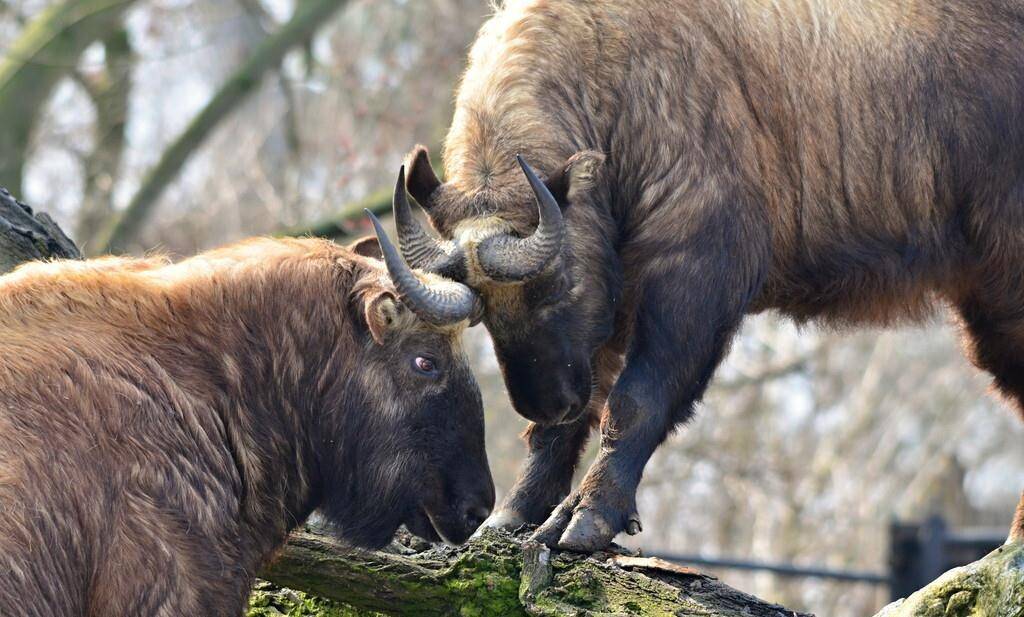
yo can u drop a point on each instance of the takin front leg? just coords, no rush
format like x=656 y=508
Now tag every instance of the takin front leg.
x=553 y=455
x=689 y=309
x=546 y=475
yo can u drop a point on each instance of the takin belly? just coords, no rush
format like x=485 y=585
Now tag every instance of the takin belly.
x=854 y=277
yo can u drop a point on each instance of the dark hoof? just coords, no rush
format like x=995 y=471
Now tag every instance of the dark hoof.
x=634 y=527
x=549 y=533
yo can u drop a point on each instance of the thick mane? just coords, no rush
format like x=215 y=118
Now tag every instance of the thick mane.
x=533 y=66
x=38 y=292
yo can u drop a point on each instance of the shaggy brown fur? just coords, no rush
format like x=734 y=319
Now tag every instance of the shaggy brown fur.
x=163 y=426
x=852 y=162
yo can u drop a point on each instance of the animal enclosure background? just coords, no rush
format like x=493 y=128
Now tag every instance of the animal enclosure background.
x=178 y=125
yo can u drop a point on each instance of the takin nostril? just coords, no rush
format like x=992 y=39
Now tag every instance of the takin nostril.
x=476 y=515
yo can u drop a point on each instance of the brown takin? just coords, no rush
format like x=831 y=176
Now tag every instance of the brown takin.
x=851 y=162
x=163 y=426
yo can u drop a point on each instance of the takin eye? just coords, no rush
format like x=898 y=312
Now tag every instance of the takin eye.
x=424 y=366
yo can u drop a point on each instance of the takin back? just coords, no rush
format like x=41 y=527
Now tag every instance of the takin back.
x=851 y=162
x=163 y=426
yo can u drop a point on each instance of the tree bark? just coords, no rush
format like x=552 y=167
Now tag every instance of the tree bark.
x=26 y=235
x=496 y=575
x=308 y=17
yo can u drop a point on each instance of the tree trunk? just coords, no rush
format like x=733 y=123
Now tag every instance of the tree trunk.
x=308 y=16
x=109 y=91
x=495 y=575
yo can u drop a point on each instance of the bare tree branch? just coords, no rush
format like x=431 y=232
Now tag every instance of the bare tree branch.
x=308 y=17
x=46 y=51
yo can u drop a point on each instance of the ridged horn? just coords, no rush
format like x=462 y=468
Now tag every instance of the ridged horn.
x=507 y=258
x=420 y=249
x=439 y=304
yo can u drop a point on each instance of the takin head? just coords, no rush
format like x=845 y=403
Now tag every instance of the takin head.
x=549 y=296
x=419 y=457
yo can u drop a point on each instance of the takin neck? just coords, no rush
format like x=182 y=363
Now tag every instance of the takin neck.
x=542 y=82
x=539 y=83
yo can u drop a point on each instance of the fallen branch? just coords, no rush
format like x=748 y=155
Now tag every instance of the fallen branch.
x=496 y=575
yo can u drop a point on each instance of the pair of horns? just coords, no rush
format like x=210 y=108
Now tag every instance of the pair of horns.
x=503 y=258
x=441 y=303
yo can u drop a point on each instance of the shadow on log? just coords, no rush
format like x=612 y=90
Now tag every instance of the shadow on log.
x=497 y=575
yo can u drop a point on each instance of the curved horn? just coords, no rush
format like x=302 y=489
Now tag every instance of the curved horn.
x=418 y=248
x=438 y=304
x=508 y=258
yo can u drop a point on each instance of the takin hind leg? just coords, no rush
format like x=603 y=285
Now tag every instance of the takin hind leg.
x=994 y=327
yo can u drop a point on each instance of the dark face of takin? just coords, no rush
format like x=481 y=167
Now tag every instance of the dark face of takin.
x=549 y=290
x=407 y=442
x=545 y=331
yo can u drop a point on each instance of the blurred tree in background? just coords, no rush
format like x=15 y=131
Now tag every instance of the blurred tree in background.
x=176 y=125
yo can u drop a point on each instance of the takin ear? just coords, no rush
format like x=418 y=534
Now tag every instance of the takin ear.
x=367 y=247
x=576 y=176
x=381 y=315
x=420 y=179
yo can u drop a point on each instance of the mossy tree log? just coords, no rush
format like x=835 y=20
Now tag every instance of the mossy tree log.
x=989 y=587
x=497 y=574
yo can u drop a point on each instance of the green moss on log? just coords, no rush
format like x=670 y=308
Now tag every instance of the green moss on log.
x=990 y=587
x=268 y=600
x=494 y=575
